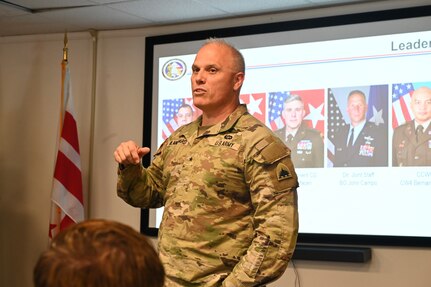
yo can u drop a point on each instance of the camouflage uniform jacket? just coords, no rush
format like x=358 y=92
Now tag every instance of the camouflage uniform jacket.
x=230 y=216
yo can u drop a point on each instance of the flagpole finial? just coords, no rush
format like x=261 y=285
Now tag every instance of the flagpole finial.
x=65 y=49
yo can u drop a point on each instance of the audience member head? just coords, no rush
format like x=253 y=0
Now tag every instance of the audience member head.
x=99 y=253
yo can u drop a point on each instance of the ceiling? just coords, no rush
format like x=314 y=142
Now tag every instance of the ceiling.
x=25 y=17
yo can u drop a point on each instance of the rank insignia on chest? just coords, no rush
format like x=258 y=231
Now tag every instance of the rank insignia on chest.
x=283 y=172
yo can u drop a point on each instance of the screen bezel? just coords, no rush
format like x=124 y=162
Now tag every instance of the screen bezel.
x=310 y=23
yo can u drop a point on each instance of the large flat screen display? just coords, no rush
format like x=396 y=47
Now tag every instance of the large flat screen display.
x=317 y=80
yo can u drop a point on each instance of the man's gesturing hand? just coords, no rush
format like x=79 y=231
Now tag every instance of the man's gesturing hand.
x=129 y=152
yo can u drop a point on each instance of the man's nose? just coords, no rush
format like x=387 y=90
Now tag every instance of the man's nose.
x=199 y=77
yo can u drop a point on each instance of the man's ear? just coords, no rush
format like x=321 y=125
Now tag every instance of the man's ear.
x=238 y=80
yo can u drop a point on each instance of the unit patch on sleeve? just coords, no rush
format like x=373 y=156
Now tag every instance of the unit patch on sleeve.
x=283 y=172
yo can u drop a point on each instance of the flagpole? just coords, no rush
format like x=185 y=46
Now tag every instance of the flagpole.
x=63 y=76
x=94 y=36
x=65 y=49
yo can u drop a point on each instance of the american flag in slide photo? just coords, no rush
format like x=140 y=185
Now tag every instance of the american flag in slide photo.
x=275 y=107
x=170 y=108
x=401 y=98
x=335 y=121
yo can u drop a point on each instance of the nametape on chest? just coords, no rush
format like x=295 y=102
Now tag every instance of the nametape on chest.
x=224 y=142
x=178 y=142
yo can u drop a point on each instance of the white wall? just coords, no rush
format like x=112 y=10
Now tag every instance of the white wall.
x=30 y=79
x=29 y=102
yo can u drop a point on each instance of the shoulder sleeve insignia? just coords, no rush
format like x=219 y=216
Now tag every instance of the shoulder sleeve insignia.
x=283 y=172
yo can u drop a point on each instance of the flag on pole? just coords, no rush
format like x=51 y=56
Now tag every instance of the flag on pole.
x=67 y=204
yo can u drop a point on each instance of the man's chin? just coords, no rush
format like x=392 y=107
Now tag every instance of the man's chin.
x=422 y=119
x=294 y=126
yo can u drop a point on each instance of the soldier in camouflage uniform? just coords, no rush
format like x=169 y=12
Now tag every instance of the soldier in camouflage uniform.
x=226 y=181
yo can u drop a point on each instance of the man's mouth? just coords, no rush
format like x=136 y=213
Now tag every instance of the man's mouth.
x=199 y=91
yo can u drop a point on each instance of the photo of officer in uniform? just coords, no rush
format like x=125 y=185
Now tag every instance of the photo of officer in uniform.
x=305 y=143
x=184 y=115
x=360 y=142
x=411 y=142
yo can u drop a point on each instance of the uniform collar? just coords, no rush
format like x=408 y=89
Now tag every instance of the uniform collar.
x=358 y=127
x=425 y=125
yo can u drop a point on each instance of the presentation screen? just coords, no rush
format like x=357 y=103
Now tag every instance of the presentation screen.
x=346 y=95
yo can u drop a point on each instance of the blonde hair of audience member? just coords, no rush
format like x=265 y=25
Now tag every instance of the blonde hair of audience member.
x=99 y=253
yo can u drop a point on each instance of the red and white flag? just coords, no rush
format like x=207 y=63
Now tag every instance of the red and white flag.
x=67 y=204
